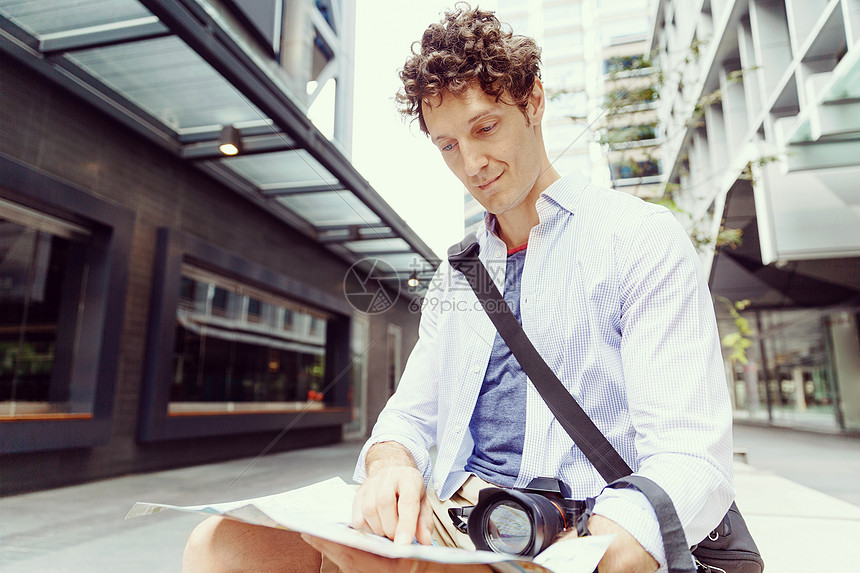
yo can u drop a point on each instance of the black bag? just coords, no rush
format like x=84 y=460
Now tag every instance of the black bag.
x=728 y=549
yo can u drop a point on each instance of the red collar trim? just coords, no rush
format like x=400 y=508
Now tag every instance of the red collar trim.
x=517 y=249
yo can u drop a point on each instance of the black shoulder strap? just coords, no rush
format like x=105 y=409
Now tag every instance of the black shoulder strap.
x=678 y=558
x=590 y=440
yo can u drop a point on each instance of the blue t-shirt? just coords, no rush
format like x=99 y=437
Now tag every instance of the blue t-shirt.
x=498 y=424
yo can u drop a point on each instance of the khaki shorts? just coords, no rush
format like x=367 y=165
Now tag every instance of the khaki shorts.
x=444 y=532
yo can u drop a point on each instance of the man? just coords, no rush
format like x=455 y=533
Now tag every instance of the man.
x=609 y=291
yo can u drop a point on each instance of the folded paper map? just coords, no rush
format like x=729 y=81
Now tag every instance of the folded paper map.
x=324 y=510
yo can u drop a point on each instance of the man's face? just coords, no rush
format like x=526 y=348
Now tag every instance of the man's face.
x=490 y=145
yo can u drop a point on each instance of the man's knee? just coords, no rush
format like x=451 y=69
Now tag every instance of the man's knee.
x=224 y=545
x=200 y=550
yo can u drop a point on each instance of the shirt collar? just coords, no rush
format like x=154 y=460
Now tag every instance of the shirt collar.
x=564 y=193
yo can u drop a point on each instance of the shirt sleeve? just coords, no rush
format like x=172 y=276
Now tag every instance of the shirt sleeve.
x=410 y=416
x=675 y=384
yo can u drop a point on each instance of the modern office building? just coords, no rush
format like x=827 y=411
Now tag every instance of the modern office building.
x=623 y=98
x=760 y=113
x=190 y=269
x=599 y=118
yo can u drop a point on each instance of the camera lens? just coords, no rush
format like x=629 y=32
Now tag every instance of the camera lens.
x=514 y=522
x=509 y=528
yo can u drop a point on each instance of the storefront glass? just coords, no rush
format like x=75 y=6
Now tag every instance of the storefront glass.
x=43 y=266
x=789 y=377
x=238 y=348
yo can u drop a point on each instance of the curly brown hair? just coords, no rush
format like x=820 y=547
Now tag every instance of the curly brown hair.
x=468 y=45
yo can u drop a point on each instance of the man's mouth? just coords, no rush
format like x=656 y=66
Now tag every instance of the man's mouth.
x=488 y=184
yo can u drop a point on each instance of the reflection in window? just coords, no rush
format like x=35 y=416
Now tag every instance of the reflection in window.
x=633 y=169
x=43 y=266
x=628 y=63
x=796 y=348
x=271 y=357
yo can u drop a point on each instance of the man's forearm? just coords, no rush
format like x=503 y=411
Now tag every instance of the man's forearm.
x=387 y=454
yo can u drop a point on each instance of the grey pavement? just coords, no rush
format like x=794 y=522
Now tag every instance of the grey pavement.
x=82 y=528
x=825 y=462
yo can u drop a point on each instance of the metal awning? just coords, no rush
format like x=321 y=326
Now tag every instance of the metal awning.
x=739 y=273
x=176 y=72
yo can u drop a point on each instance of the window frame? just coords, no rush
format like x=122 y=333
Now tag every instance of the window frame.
x=95 y=364
x=173 y=248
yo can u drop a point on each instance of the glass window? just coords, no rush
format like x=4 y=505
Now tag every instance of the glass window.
x=510 y=5
x=562 y=15
x=59 y=17
x=631 y=169
x=186 y=94
x=800 y=387
x=255 y=310
x=359 y=345
x=573 y=104
x=564 y=75
x=519 y=23
x=568 y=135
x=621 y=6
x=228 y=361
x=572 y=161
x=619 y=64
x=569 y=43
x=43 y=270
x=624 y=31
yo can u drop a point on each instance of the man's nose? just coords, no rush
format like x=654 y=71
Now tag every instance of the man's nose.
x=474 y=159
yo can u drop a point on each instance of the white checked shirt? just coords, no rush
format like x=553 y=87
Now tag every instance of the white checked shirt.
x=613 y=298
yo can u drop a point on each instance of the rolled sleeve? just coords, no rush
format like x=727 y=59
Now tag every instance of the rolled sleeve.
x=632 y=511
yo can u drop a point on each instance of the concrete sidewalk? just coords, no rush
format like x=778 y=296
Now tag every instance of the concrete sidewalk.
x=81 y=528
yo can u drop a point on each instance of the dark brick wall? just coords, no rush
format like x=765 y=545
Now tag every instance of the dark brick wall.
x=49 y=129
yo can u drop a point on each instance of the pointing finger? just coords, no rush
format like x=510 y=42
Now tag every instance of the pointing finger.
x=408 y=510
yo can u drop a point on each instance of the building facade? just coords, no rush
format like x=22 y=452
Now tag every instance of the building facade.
x=760 y=117
x=167 y=301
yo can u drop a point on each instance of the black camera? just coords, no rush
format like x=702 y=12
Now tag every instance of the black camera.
x=519 y=521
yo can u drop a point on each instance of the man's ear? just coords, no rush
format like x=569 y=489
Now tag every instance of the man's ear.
x=536 y=104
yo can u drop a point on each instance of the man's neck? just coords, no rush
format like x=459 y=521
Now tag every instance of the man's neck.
x=515 y=225
x=514 y=231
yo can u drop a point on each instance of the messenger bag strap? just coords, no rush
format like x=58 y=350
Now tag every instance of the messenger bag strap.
x=585 y=434
x=678 y=557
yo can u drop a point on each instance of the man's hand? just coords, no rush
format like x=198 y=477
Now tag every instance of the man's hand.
x=393 y=500
x=625 y=554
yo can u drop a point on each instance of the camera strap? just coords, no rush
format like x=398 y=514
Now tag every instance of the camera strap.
x=589 y=439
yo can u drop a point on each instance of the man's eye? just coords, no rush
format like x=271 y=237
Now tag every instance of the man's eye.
x=448 y=147
x=487 y=128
